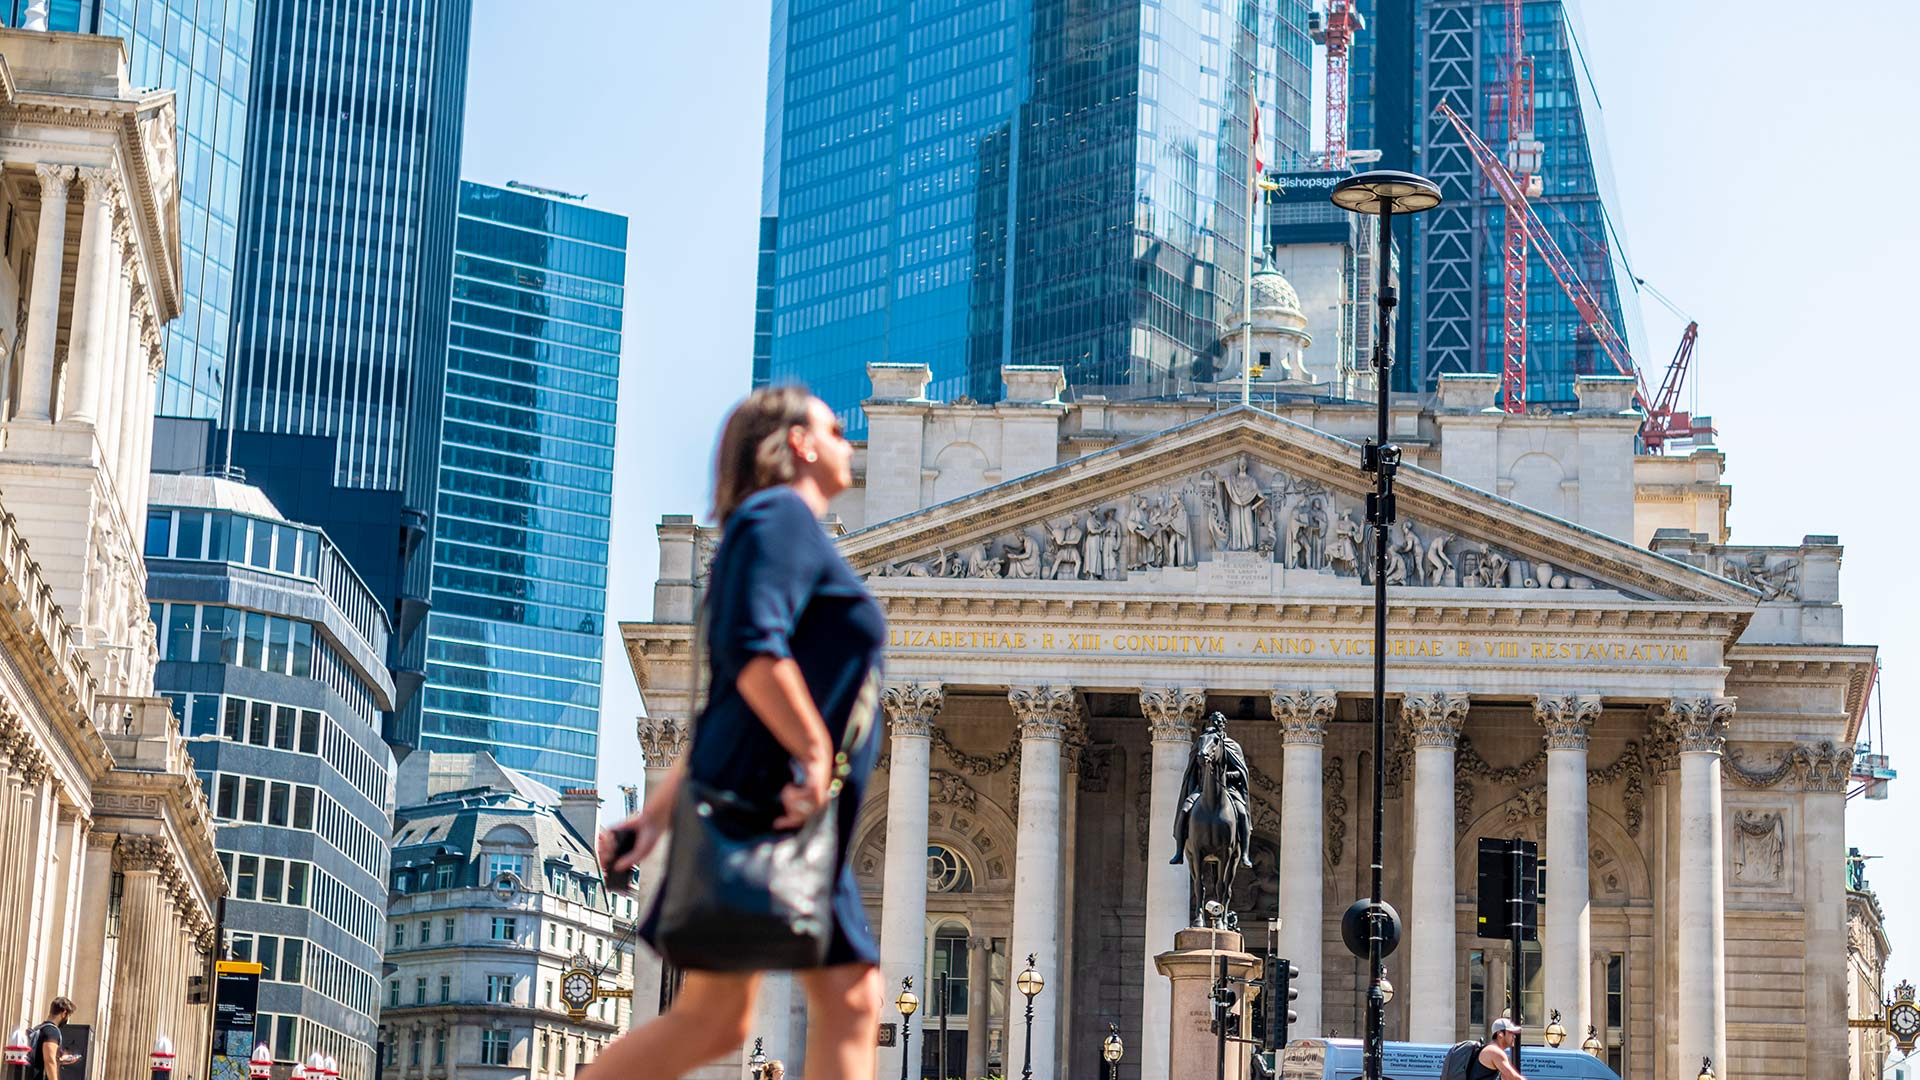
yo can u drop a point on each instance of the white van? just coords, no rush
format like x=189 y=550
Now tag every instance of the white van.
x=1345 y=1059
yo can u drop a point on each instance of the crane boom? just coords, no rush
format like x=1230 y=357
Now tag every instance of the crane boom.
x=1664 y=423
x=1334 y=29
x=1563 y=272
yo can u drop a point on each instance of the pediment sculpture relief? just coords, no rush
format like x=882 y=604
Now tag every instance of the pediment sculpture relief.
x=1776 y=578
x=1238 y=511
x=1759 y=848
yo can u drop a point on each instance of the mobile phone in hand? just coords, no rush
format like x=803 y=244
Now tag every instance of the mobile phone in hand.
x=624 y=839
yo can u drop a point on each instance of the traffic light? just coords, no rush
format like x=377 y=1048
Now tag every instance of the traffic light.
x=1279 y=996
x=1225 y=999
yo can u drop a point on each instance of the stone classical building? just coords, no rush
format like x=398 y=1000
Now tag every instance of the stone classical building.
x=496 y=896
x=1578 y=655
x=106 y=847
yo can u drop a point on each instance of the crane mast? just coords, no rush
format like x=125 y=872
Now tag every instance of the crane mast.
x=1334 y=28
x=1523 y=165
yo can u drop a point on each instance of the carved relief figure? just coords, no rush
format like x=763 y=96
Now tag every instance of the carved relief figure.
x=1023 y=559
x=1066 y=555
x=1759 y=847
x=975 y=563
x=1343 y=546
x=1404 y=556
x=1143 y=535
x=1216 y=515
x=1110 y=542
x=1493 y=569
x=1303 y=534
x=1439 y=566
x=1093 y=551
x=1176 y=542
x=1243 y=496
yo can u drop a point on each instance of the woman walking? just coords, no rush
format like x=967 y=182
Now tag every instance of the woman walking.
x=794 y=646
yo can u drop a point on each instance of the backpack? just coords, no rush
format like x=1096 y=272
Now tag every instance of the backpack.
x=1460 y=1059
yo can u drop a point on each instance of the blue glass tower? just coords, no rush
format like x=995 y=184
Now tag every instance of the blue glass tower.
x=340 y=291
x=1458 y=55
x=526 y=483
x=993 y=181
x=202 y=50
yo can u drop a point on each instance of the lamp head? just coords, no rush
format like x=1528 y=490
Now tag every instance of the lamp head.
x=1706 y=1069
x=1112 y=1048
x=1556 y=1032
x=1384 y=189
x=907 y=1002
x=1386 y=989
x=1030 y=982
x=1592 y=1044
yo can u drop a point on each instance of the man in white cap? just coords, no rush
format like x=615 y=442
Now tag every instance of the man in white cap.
x=1496 y=1057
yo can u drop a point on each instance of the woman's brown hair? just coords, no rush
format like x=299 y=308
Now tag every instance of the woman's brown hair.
x=753 y=454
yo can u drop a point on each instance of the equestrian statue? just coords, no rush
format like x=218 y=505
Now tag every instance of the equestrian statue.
x=1212 y=828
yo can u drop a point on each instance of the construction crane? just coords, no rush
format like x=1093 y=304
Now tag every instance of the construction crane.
x=1535 y=232
x=1334 y=28
x=1523 y=166
x=1665 y=422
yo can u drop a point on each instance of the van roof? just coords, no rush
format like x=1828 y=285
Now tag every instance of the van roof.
x=1345 y=1060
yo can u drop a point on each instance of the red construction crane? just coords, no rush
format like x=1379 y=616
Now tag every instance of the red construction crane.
x=1520 y=215
x=1523 y=165
x=1665 y=422
x=1335 y=28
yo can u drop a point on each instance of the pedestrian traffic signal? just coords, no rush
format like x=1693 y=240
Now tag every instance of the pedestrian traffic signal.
x=1279 y=994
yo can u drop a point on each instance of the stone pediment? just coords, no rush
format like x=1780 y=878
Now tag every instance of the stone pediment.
x=1244 y=503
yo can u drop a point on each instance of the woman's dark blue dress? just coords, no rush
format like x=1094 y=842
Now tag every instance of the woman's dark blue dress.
x=780 y=589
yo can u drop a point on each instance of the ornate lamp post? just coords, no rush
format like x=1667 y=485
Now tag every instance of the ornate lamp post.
x=1382 y=193
x=1706 y=1069
x=1030 y=984
x=908 y=1004
x=1556 y=1032
x=757 y=1063
x=1592 y=1045
x=1112 y=1049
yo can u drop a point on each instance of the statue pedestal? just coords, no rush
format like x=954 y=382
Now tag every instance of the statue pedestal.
x=1193 y=965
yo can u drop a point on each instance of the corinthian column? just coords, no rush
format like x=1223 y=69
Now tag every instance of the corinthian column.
x=1171 y=716
x=662 y=740
x=1436 y=720
x=1700 y=728
x=1303 y=716
x=1043 y=713
x=1567 y=952
x=910 y=710
x=1824 y=770
x=135 y=1016
x=92 y=300
x=43 y=304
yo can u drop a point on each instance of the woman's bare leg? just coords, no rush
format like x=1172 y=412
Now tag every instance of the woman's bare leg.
x=843 y=1014
x=710 y=1016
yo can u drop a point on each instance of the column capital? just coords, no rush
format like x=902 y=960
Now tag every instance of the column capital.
x=1823 y=767
x=1435 y=718
x=144 y=853
x=662 y=740
x=99 y=183
x=53 y=180
x=1568 y=718
x=1043 y=712
x=1698 y=725
x=1303 y=715
x=911 y=707
x=1172 y=711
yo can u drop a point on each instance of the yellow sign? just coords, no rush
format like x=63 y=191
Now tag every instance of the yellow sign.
x=236 y=967
x=1452 y=650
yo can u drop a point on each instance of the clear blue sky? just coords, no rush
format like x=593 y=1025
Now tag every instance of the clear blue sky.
x=1752 y=144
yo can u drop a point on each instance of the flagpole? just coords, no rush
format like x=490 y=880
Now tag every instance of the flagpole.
x=1253 y=193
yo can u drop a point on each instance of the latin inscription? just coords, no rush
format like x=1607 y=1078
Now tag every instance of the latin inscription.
x=1324 y=647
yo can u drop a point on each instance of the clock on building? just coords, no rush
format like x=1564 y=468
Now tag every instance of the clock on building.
x=578 y=988
x=1903 y=1018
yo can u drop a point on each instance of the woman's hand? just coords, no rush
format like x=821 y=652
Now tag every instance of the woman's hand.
x=806 y=797
x=647 y=826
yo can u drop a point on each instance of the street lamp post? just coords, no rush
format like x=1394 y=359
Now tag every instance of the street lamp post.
x=1030 y=984
x=907 y=1003
x=946 y=1006
x=1382 y=193
x=1111 y=1051
x=757 y=1061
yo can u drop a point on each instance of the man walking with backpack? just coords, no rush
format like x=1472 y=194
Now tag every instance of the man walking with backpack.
x=1490 y=1060
x=48 y=1048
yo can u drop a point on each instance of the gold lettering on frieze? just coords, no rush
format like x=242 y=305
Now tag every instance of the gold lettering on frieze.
x=1126 y=641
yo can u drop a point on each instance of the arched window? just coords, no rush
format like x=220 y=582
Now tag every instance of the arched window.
x=949 y=958
x=947 y=872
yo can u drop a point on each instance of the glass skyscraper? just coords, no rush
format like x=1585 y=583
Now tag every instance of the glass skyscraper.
x=202 y=50
x=985 y=182
x=526 y=483
x=340 y=297
x=1417 y=54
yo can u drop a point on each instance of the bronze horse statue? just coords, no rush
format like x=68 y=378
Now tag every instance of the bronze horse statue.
x=1214 y=829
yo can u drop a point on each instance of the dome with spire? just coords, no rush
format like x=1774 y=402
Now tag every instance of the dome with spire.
x=1272 y=292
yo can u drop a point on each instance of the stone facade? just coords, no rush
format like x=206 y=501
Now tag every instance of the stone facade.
x=1069 y=586
x=108 y=847
x=496 y=895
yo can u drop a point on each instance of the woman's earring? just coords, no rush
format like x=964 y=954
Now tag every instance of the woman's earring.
x=812 y=457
